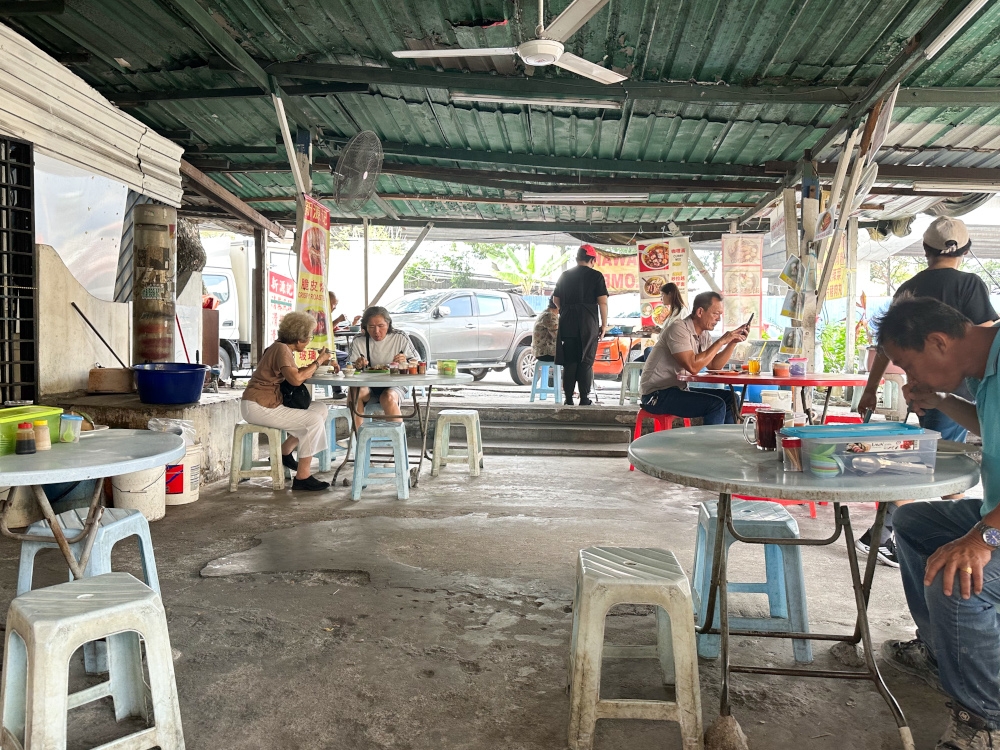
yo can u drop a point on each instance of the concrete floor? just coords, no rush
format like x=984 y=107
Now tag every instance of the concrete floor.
x=308 y=621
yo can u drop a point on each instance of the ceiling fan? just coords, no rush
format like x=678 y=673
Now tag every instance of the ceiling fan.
x=547 y=49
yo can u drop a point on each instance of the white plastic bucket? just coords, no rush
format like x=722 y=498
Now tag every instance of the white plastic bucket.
x=143 y=491
x=777 y=399
x=183 y=480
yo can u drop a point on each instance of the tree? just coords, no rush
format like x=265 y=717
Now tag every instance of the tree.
x=526 y=273
x=987 y=270
x=387 y=238
x=893 y=271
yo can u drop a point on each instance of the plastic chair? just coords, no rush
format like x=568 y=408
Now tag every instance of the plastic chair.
x=473 y=439
x=608 y=576
x=631 y=375
x=46 y=626
x=366 y=473
x=540 y=382
x=325 y=458
x=784 y=584
x=660 y=422
x=244 y=467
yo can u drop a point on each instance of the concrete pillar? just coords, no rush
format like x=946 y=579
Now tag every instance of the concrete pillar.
x=154 y=261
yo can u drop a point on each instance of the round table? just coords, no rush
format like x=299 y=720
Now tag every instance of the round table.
x=814 y=379
x=739 y=468
x=99 y=454
x=377 y=380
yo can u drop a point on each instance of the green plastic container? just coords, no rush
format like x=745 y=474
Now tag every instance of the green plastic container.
x=9 y=419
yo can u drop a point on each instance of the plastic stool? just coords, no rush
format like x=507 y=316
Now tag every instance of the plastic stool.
x=660 y=422
x=785 y=585
x=365 y=473
x=246 y=467
x=605 y=577
x=786 y=503
x=46 y=626
x=325 y=458
x=843 y=419
x=751 y=407
x=631 y=375
x=473 y=439
x=540 y=382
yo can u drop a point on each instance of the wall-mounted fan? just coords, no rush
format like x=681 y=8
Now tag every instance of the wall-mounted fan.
x=547 y=49
x=357 y=171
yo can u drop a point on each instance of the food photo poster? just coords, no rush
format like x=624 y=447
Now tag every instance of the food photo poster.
x=661 y=262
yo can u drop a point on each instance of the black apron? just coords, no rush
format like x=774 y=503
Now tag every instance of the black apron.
x=579 y=332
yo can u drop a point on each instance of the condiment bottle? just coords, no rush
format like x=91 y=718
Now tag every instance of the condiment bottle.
x=421 y=368
x=43 y=438
x=24 y=443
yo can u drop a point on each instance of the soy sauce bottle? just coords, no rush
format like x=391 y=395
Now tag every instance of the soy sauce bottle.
x=24 y=443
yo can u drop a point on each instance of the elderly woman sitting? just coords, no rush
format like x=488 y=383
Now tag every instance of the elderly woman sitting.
x=263 y=404
x=379 y=345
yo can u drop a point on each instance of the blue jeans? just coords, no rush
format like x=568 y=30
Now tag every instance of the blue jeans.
x=939 y=421
x=963 y=635
x=713 y=405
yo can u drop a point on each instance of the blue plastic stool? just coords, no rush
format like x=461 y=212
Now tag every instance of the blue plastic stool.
x=325 y=458
x=540 y=383
x=115 y=524
x=785 y=584
x=365 y=473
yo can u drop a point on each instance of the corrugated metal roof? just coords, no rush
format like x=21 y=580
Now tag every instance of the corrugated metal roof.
x=148 y=46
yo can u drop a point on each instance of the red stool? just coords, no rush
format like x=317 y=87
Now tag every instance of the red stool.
x=843 y=419
x=660 y=422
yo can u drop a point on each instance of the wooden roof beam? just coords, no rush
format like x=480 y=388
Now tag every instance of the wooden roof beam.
x=233 y=205
x=135 y=98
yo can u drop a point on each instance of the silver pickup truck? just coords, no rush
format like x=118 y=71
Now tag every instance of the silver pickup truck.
x=483 y=329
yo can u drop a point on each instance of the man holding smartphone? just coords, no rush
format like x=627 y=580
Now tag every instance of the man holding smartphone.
x=686 y=346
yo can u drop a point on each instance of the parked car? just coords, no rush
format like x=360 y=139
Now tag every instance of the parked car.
x=483 y=329
x=614 y=351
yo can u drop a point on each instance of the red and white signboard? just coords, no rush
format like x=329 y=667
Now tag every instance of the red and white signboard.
x=280 y=298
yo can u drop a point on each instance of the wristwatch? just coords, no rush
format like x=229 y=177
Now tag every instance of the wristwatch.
x=990 y=535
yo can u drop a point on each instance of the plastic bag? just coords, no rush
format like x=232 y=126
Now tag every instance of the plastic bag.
x=182 y=427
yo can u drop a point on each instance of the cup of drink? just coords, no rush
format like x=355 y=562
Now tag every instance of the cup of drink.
x=753 y=366
x=767 y=423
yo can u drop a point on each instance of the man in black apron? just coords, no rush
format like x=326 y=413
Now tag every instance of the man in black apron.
x=581 y=295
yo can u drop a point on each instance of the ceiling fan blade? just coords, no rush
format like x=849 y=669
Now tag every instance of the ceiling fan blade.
x=437 y=53
x=568 y=22
x=588 y=69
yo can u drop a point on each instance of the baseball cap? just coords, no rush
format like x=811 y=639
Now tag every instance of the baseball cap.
x=589 y=250
x=947 y=236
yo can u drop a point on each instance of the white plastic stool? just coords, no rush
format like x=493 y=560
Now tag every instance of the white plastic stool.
x=325 y=458
x=366 y=473
x=631 y=374
x=608 y=576
x=473 y=439
x=46 y=626
x=244 y=467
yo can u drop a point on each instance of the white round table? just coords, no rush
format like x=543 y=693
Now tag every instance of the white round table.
x=378 y=380
x=99 y=454
x=717 y=458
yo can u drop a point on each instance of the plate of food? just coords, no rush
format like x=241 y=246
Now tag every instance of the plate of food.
x=660 y=313
x=377 y=371
x=646 y=310
x=652 y=285
x=655 y=257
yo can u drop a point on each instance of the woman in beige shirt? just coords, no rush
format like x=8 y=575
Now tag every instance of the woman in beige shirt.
x=262 y=400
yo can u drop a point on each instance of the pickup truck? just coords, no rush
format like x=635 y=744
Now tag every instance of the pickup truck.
x=483 y=329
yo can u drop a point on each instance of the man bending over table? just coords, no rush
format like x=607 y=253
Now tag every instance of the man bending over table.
x=950 y=573
x=685 y=346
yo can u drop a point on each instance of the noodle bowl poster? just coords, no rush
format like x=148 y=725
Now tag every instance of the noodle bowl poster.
x=661 y=262
x=310 y=288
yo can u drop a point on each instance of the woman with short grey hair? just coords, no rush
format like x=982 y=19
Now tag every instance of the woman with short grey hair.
x=379 y=345
x=263 y=403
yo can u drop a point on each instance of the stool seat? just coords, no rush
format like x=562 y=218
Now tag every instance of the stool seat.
x=631 y=375
x=784 y=582
x=243 y=465
x=468 y=418
x=382 y=433
x=660 y=422
x=540 y=381
x=606 y=577
x=325 y=458
x=46 y=626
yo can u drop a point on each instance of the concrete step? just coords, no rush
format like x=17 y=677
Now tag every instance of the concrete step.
x=554 y=433
x=579 y=450
x=544 y=412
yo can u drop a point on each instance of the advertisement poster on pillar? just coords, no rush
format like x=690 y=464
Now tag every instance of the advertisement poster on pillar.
x=661 y=262
x=310 y=289
x=280 y=299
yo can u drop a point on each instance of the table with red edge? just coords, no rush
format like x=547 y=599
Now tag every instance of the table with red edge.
x=815 y=379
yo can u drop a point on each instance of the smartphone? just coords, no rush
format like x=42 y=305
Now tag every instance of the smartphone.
x=747 y=324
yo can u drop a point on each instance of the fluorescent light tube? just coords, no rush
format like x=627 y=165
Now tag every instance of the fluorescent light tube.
x=586 y=103
x=953 y=28
x=957 y=187
x=583 y=197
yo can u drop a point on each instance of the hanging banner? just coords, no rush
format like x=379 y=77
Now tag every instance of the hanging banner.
x=310 y=288
x=280 y=298
x=837 y=288
x=661 y=262
x=742 y=272
x=621 y=272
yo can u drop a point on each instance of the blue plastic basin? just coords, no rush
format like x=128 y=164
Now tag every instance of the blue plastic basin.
x=170 y=382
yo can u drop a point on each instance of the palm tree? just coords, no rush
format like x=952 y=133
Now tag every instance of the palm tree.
x=527 y=275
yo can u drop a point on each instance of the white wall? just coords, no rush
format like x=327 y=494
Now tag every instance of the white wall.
x=67 y=348
x=188 y=309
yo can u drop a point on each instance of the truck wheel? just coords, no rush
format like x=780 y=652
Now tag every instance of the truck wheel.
x=225 y=365
x=478 y=373
x=522 y=367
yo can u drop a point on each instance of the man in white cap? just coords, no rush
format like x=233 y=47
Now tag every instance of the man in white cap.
x=946 y=242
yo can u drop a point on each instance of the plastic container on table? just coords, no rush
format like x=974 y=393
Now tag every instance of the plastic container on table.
x=829 y=451
x=447 y=367
x=170 y=382
x=10 y=418
x=781 y=370
x=797 y=366
x=70 y=427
